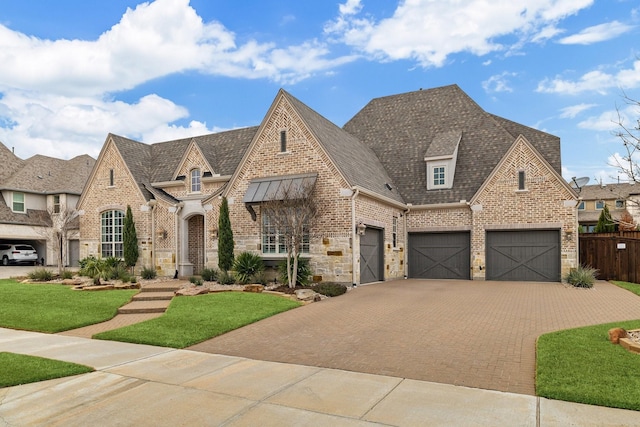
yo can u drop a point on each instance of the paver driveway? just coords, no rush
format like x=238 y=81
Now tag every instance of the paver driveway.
x=472 y=333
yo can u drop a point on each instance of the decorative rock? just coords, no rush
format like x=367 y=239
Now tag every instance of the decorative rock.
x=122 y=285
x=98 y=288
x=190 y=291
x=254 y=288
x=615 y=334
x=306 y=294
x=72 y=282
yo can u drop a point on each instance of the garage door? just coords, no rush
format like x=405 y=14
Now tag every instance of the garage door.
x=439 y=255
x=371 y=259
x=531 y=255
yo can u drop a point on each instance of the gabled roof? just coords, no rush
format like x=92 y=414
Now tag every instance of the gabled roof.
x=150 y=163
x=356 y=161
x=400 y=129
x=9 y=161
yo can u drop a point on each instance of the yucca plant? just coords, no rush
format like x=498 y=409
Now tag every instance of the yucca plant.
x=246 y=266
x=582 y=277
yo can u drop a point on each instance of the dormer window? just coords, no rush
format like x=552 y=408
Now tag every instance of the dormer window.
x=441 y=157
x=619 y=204
x=600 y=204
x=195 y=181
x=18 y=202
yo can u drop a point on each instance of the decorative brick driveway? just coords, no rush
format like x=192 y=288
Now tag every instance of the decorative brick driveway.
x=472 y=333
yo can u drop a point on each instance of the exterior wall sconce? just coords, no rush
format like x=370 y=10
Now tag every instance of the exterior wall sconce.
x=568 y=235
x=162 y=233
x=360 y=227
x=214 y=233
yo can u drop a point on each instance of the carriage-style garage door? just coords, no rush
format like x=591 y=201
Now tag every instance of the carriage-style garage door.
x=529 y=255
x=371 y=256
x=439 y=255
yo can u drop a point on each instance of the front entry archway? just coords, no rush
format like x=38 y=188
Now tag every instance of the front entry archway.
x=195 y=242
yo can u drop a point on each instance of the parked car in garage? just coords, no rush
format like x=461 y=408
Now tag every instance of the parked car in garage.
x=17 y=254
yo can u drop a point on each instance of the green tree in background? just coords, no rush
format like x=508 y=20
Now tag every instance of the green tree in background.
x=605 y=222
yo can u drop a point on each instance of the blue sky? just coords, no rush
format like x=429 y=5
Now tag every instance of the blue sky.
x=71 y=71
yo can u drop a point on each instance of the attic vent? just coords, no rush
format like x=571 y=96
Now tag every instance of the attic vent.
x=180 y=178
x=207 y=174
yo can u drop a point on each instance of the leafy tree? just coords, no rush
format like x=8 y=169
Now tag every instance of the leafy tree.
x=56 y=227
x=129 y=239
x=225 y=238
x=605 y=222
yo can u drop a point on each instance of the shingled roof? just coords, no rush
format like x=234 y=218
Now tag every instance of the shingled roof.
x=151 y=163
x=609 y=191
x=400 y=129
x=355 y=160
x=42 y=175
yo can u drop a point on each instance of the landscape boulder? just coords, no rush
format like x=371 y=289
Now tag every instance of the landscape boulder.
x=191 y=291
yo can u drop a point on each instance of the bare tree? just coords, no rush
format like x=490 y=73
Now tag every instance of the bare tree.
x=628 y=164
x=292 y=211
x=56 y=227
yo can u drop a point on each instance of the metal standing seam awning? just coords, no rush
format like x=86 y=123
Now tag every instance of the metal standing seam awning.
x=274 y=188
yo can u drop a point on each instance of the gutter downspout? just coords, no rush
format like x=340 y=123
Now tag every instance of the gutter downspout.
x=354 y=260
x=153 y=203
x=406 y=242
x=178 y=207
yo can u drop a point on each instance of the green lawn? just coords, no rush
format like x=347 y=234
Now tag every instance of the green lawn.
x=16 y=369
x=632 y=287
x=55 y=308
x=190 y=320
x=581 y=365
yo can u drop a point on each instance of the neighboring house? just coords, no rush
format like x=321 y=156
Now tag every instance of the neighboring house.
x=619 y=198
x=424 y=184
x=33 y=192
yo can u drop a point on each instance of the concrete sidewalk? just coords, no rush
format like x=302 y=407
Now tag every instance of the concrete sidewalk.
x=146 y=385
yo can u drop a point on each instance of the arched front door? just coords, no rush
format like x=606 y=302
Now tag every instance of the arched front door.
x=195 y=249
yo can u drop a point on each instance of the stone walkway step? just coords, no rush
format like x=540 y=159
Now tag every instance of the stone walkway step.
x=158 y=306
x=153 y=296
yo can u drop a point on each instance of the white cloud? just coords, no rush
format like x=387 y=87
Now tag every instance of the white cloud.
x=498 y=83
x=597 y=33
x=429 y=31
x=595 y=81
x=572 y=111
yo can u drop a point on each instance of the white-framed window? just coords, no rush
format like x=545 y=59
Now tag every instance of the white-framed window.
x=56 y=204
x=438 y=176
x=599 y=204
x=619 y=204
x=581 y=206
x=111 y=224
x=394 y=232
x=18 y=202
x=273 y=242
x=196 y=183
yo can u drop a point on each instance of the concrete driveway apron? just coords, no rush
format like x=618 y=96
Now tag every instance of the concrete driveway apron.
x=478 y=334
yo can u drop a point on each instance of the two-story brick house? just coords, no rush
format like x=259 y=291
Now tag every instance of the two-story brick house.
x=424 y=184
x=35 y=192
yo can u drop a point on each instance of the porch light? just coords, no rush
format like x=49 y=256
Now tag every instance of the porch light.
x=360 y=227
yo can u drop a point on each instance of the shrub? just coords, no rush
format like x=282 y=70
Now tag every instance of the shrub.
x=304 y=272
x=148 y=273
x=582 y=277
x=66 y=274
x=196 y=280
x=330 y=289
x=209 y=274
x=41 y=275
x=224 y=278
x=246 y=266
x=260 y=278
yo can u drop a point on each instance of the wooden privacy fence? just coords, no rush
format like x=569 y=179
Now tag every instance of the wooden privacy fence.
x=615 y=255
